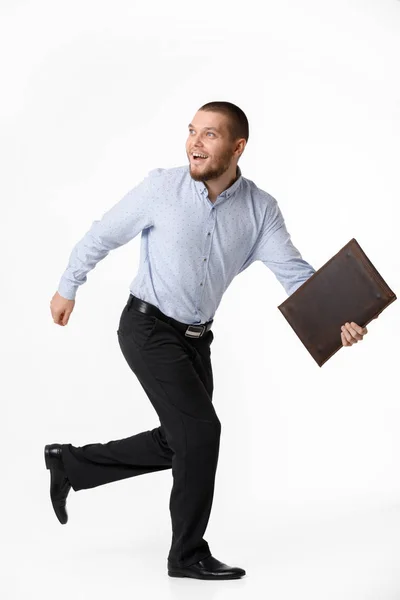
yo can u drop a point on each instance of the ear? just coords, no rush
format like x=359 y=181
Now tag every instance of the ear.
x=241 y=146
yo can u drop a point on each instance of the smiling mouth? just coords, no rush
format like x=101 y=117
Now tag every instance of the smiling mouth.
x=198 y=160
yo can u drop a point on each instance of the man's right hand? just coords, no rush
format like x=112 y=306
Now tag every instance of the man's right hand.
x=61 y=308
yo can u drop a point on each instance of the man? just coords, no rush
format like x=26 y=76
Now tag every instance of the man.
x=200 y=225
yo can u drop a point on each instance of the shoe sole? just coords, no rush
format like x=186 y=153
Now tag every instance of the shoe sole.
x=208 y=577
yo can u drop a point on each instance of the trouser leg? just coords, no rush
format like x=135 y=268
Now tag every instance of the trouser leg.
x=177 y=376
x=97 y=463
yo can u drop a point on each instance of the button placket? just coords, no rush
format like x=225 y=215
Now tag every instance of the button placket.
x=207 y=255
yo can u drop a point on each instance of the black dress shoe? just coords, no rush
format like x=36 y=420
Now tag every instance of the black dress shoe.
x=208 y=568
x=59 y=483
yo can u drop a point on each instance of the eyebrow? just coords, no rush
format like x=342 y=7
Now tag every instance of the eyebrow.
x=190 y=125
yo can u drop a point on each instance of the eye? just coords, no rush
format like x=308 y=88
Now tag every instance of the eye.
x=208 y=132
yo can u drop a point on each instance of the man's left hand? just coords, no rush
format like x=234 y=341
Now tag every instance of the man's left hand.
x=352 y=333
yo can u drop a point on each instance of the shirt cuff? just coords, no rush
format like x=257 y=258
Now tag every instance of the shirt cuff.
x=67 y=290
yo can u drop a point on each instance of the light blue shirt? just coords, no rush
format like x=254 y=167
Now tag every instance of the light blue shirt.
x=191 y=248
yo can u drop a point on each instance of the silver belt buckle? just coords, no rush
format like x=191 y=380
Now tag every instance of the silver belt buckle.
x=196 y=333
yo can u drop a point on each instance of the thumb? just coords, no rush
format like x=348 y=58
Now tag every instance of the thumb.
x=65 y=317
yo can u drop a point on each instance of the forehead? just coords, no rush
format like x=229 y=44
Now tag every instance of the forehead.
x=209 y=120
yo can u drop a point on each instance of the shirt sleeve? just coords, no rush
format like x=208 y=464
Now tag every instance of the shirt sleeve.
x=276 y=250
x=121 y=223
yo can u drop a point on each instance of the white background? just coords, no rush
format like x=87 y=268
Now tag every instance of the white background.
x=94 y=95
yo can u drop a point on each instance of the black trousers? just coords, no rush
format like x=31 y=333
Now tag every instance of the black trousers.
x=175 y=372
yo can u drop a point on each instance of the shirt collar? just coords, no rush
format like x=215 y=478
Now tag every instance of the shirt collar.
x=226 y=193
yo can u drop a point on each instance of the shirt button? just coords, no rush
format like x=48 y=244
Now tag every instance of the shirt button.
x=205 y=260
x=201 y=284
x=209 y=233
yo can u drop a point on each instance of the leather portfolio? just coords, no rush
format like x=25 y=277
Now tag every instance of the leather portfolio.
x=346 y=288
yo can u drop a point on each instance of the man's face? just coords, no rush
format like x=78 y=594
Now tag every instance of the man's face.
x=209 y=135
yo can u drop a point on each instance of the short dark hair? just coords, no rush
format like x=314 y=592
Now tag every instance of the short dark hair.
x=239 y=125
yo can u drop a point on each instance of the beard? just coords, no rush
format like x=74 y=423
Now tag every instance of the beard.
x=212 y=171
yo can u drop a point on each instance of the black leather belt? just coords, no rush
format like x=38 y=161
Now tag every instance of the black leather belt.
x=193 y=331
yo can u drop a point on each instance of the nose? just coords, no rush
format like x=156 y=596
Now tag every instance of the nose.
x=196 y=141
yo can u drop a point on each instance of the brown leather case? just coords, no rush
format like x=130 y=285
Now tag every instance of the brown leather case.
x=346 y=288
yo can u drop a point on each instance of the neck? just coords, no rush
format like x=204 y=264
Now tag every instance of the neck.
x=216 y=186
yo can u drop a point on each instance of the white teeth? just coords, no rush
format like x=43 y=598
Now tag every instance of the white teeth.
x=196 y=154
